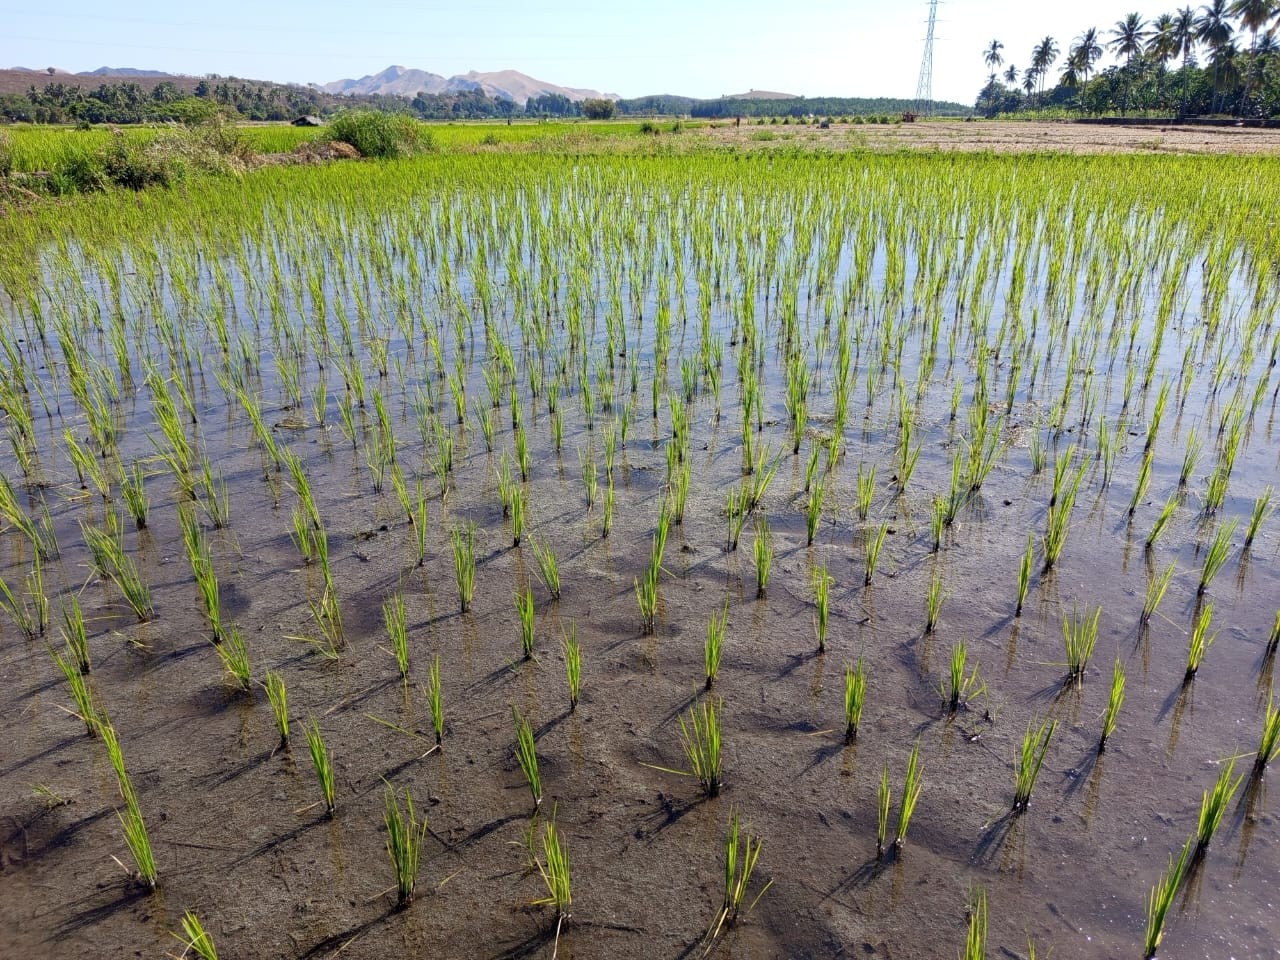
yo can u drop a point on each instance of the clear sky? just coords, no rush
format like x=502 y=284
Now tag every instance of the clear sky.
x=692 y=47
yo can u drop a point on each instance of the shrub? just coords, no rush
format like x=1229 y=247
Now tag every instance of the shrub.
x=648 y=126
x=598 y=108
x=6 y=154
x=378 y=134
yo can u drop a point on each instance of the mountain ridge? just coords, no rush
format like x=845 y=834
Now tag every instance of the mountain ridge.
x=511 y=85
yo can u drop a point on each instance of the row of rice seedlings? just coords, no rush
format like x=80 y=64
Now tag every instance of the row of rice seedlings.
x=527 y=757
x=1035 y=745
x=1079 y=637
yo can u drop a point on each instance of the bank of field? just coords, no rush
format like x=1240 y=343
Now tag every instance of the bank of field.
x=519 y=554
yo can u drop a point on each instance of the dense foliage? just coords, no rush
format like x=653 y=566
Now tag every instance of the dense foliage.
x=666 y=105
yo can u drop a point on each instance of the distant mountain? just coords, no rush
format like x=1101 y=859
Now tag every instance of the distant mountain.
x=499 y=85
x=761 y=95
x=122 y=72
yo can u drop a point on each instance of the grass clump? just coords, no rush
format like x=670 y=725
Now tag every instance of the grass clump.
x=380 y=135
x=405 y=833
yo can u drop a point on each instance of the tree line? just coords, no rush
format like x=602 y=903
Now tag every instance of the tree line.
x=1220 y=58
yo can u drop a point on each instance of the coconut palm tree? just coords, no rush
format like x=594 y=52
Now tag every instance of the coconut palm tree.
x=1184 y=38
x=1086 y=51
x=1043 y=55
x=991 y=56
x=1029 y=81
x=1213 y=29
x=1011 y=75
x=1127 y=38
x=1253 y=15
x=1162 y=46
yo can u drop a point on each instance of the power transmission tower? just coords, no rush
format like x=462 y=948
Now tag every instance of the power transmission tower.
x=924 y=88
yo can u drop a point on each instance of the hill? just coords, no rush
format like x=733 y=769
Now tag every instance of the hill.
x=498 y=85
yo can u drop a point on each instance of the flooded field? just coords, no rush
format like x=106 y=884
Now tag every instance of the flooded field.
x=594 y=501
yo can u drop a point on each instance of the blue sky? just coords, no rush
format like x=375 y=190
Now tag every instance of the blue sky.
x=705 y=49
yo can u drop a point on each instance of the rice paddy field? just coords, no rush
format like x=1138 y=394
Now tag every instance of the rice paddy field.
x=553 y=554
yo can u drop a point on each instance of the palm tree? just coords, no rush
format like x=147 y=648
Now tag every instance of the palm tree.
x=1029 y=81
x=1086 y=51
x=1127 y=38
x=1253 y=15
x=1184 y=38
x=1011 y=75
x=1162 y=46
x=991 y=56
x=1213 y=29
x=1043 y=54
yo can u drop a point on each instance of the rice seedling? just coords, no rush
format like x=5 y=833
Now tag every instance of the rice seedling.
x=1190 y=457
x=554 y=870
x=884 y=801
x=975 y=943
x=74 y=633
x=741 y=855
x=700 y=741
x=518 y=509
x=1269 y=743
x=681 y=483
x=135 y=829
x=1079 y=637
x=1035 y=745
x=933 y=599
x=1162 y=521
x=961 y=684
x=573 y=666
x=1200 y=642
x=1161 y=900
x=24 y=612
x=1216 y=491
x=1213 y=807
x=713 y=646
x=395 y=619
x=736 y=508
x=405 y=835
x=1215 y=557
x=81 y=694
x=1114 y=701
x=762 y=549
x=855 y=695
x=524 y=609
x=822 y=583
x=235 y=658
x=527 y=757
x=548 y=567
x=912 y=784
x=522 y=450
x=133 y=491
x=813 y=513
x=1262 y=509
x=1157 y=586
x=1274 y=640
x=866 y=490
x=435 y=699
x=323 y=766
x=606 y=515
x=464 y=563
x=278 y=697
x=874 y=544
x=589 y=481
x=196 y=939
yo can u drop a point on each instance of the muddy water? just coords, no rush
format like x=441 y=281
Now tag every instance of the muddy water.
x=239 y=836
